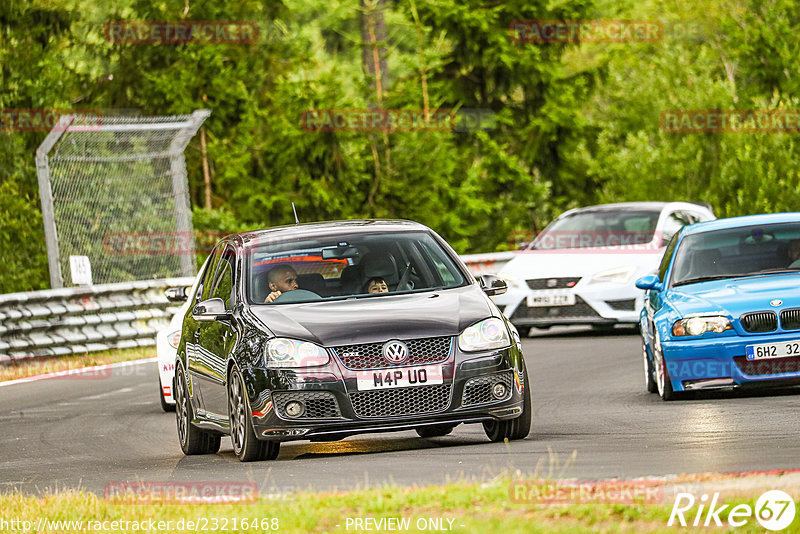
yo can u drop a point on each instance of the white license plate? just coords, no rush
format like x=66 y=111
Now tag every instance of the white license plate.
x=551 y=299
x=399 y=378
x=766 y=351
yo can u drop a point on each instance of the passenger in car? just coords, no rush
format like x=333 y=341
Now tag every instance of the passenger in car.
x=376 y=284
x=280 y=279
x=794 y=253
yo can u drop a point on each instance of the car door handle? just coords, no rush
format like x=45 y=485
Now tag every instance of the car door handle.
x=196 y=335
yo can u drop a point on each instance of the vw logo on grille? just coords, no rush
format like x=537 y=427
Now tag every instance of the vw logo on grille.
x=395 y=352
x=776 y=302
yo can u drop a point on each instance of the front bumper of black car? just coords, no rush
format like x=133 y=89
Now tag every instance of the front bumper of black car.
x=334 y=407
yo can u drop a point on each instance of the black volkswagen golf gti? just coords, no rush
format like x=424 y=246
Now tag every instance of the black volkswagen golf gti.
x=321 y=331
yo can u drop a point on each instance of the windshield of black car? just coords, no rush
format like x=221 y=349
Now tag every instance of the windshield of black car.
x=598 y=228
x=349 y=266
x=737 y=252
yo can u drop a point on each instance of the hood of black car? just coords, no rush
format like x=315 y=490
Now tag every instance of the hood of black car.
x=373 y=319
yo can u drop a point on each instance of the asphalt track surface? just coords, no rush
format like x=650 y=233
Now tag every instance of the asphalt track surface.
x=588 y=397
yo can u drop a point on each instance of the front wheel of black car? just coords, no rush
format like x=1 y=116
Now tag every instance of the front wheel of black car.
x=192 y=439
x=512 y=429
x=246 y=446
x=434 y=431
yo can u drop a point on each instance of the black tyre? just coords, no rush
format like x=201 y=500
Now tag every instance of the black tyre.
x=192 y=439
x=164 y=404
x=434 y=431
x=246 y=446
x=649 y=379
x=663 y=382
x=512 y=429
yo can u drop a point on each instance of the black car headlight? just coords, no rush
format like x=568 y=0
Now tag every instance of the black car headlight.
x=284 y=352
x=486 y=335
x=697 y=326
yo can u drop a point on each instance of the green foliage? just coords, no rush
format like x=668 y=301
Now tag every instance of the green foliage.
x=575 y=124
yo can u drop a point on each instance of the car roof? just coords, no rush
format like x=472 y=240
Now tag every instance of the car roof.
x=738 y=222
x=648 y=205
x=322 y=229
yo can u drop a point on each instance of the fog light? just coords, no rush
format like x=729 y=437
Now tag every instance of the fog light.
x=499 y=390
x=294 y=408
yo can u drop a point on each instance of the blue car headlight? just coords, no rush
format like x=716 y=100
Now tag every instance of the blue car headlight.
x=284 y=352
x=486 y=335
x=696 y=326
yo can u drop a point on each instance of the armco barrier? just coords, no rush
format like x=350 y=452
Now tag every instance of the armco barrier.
x=84 y=319
x=489 y=263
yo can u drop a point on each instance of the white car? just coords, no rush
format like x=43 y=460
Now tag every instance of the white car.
x=167 y=341
x=581 y=269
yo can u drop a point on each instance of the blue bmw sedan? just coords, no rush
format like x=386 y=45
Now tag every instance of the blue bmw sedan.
x=723 y=311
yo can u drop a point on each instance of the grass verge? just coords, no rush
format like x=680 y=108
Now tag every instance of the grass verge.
x=468 y=508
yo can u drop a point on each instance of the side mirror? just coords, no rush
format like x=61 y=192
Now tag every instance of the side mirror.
x=492 y=285
x=177 y=294
x=210 y=310
x=650 y=282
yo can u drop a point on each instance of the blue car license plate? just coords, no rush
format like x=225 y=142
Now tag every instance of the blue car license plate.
x=765 y=351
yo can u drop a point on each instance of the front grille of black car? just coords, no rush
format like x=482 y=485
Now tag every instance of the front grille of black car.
x=403 y=401
x=771 y=366
x=622 y=305
x=478 y=390
x=318 y=404
x=790 y=319
x=370 y=356
x=755 y=322
x=579 y=310
x=552 y=283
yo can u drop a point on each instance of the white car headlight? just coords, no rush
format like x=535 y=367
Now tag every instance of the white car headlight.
x=485 y=335
x=617 y=275
x=284 y=352
x=174 y=339
x=696 y=326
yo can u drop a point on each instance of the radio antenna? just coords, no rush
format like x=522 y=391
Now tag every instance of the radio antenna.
x=296 y=220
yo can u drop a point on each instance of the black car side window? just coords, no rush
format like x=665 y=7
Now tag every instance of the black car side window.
x=223 y=283
x=208 y=276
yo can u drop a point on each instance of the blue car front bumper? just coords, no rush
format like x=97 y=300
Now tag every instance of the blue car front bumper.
x=721 y=361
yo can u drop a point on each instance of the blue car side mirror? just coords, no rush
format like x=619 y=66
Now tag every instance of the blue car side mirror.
x=649 y=282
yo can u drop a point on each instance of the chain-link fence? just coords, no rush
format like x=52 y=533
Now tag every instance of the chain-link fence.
x=115 y=189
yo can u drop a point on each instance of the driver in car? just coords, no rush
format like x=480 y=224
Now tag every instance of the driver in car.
x=280 y=279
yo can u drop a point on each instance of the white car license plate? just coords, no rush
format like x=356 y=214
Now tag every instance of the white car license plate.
x=551 y=299
x=765 y=351
x=399 y=378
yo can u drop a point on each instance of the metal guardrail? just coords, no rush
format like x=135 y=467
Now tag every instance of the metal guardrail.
x=84 y=319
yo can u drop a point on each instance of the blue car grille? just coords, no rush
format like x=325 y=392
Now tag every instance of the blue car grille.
x=758 y=322
x=790 y=319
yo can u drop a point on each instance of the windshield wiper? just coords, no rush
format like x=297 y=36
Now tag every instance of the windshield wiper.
x=778 y=270
x=699 y=279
